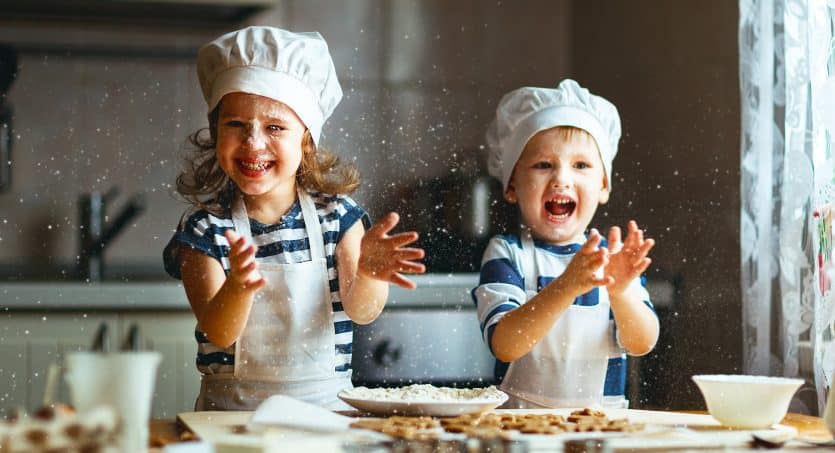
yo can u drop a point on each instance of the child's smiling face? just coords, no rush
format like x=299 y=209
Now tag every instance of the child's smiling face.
x=259 y=143
x=558 y=183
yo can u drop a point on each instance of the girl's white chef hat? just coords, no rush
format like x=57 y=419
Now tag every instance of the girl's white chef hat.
x=294 y=68
x=525 y=111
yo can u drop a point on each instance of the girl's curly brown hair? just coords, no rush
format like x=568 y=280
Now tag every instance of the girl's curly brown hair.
x=206 y=186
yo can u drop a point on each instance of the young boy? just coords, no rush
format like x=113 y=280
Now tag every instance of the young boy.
x=558 y=308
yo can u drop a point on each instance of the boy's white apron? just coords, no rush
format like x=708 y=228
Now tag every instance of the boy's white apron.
x=287 y=346
x=568 y=367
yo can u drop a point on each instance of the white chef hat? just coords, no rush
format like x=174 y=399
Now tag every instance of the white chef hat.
x=294 y=68
x=525 y=111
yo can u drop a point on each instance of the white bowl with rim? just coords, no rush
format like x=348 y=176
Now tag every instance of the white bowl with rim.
x=743 y=401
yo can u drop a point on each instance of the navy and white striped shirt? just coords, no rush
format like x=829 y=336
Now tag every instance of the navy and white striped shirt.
x=501 y=288
x=282 y=243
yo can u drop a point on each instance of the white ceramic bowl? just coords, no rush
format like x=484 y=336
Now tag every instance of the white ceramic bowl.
x=744 y=401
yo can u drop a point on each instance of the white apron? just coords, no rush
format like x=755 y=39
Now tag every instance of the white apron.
x=287 y=346
x=568 y=367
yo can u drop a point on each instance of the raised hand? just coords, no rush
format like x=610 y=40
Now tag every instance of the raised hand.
x=584 y=271
x=384 y=257
x=243 y=273
x=628 y=259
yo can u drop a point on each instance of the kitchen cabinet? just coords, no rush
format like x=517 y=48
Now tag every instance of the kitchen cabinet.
x=31 y=341
x=178 y=381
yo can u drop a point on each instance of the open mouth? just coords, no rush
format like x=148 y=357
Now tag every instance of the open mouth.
x=254 y=167
x=560 y=208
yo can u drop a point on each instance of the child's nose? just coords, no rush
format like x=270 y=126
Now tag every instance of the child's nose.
x=254 y=138
x=561 y=178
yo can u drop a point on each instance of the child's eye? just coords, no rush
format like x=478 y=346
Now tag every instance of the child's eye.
x=233 y=123
x=275 y=128
x=582 y=165
x=542 y=165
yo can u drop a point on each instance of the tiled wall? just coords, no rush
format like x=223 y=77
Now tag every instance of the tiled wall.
x=95 y=119
x=420 y=79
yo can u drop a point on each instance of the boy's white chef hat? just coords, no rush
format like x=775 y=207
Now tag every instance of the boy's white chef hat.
x=294 y=68
x=525 y=111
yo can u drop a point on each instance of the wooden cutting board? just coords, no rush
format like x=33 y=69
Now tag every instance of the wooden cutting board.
x=222 y=428
x=664 y=430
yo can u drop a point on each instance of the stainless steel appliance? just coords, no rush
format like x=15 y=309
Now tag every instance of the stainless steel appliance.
x=428 y=335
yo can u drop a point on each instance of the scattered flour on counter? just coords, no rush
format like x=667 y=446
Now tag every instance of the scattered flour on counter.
x=424 y=392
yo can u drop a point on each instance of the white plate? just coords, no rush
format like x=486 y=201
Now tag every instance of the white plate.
x=416 y=408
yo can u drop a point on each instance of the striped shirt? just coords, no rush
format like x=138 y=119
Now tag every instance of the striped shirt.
x=282 y=243
x=501 y=288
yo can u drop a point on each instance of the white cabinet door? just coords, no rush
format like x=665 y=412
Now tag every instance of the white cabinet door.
x=172 y=334
x=14 y=372
x=31 y=342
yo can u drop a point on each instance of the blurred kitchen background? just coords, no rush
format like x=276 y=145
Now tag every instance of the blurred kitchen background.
x=106 y=93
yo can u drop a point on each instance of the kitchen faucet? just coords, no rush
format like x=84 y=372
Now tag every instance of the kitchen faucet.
x=96 y=233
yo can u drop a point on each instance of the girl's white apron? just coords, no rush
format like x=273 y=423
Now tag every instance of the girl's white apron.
x=287 y=346
x=567 y=368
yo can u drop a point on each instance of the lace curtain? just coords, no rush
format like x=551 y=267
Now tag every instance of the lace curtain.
x=787 y=85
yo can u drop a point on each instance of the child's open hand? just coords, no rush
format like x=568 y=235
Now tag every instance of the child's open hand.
x=243 y=271
x=583 y=272
x=383 y=257
x=627 y=260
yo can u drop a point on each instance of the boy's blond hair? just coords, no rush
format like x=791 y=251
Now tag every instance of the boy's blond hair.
x=569 y=132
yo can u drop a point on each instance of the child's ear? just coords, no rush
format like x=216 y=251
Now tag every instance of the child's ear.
x=604 y=192
x=510 y=194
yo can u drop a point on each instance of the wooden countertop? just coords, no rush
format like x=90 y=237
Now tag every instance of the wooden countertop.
x=166 y=431
x=808 y=427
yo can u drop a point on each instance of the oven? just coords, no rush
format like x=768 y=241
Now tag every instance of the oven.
x=429 y=335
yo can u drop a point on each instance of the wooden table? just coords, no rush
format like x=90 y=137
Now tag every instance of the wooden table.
x=808 y=427
x=166 y=431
